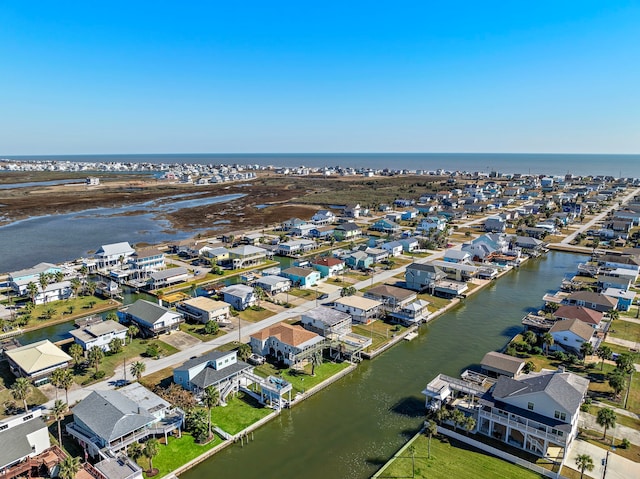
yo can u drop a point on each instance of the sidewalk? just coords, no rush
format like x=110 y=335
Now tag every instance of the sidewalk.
x=617 y=468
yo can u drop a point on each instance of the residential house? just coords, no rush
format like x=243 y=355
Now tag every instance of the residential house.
x=203 y=310
x=303 y=230
x=610 y=261
x=589 y=316
x=286 y=343
x=218 y=255
x=99 y=335
x=352 y=210
x=457 y=256
x=409 y=245
x=167 y=277
x=36 y=361
x=457 y=271
x=391 y=297
x=146 y=261
x=327 y=322
x=412 y=313
x=385 y=226
x=362 y=310
x=151 y=318
x=240 y=296
x=253 y=239
x=322 y=232
x=246 y=256
x=302 y=277
x=323 y=217
x=534 y=412
x=220 y=369
x=273 y=284
x=377 y=254
x=358 y=260
x=529 y=244
x=53 y=292
x=292 y=223
x=18 y=280
x=296 y=247
x=570 y=334
x=624 y=298
x=110 y=420
x=393 y=248
x=347 y=231
x=496 y=364
x=409 y=215
x=22 y=437
x=591 y=300
x=420 y=277
x=604 y=281
x=495 y=224
x=486 y=245
x=114 y=254
x=429 y=223
x=328 y=266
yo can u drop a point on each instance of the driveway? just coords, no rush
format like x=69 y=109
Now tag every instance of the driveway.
x=617 y=467
x=180 y=340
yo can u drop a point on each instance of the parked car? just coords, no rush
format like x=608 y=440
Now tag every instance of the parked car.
x=256 y=359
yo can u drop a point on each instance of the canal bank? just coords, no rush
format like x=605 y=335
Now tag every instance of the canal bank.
x=351 y=428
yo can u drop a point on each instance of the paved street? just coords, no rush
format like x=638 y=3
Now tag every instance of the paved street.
x=617 y=468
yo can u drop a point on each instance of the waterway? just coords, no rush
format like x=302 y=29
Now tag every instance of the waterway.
x=65 y=237
x=350 y=429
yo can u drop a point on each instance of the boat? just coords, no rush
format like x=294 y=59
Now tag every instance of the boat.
x=411 y=335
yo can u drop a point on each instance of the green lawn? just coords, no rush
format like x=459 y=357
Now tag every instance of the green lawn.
x=239 y=413
x=625 y=330
x=255 y=316
x=66 y=310
x=301 y=381
x=197 y=331
x=177 y=452
x=450 y=459
x=379 y=332
x=308 y=294
x=436 y=302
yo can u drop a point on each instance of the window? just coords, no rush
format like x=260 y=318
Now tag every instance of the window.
x=560 y=415
x=530 y=406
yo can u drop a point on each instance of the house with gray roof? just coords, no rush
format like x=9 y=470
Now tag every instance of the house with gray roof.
x=421 y=277
x=22 y=437
x=99 y=334
x=391 y=297
x=498 y=364
x=151 y=318
x=240 y=296
x=109 y=255
x=112 y=419
x=220 y=369
x=167 y=277
x=327 y=322
x=273 y=284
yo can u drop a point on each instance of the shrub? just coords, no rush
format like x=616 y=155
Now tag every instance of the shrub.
x=584 y=407
x=590 y=365
x=153 y=350
x=536 y=350
x=559 y=355
x=98 y=375
x=624 y=444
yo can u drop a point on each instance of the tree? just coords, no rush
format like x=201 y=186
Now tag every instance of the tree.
x=20 y=391
x=112 y=316
x=134 y=451
x=259 y=294
x=84 y=271
x=43 y=281
x=69 y=467
x=91 y=287
x=66 y=381
x=624 y=362
x=530 y=337
x=151 y=450
x=316 y=360
x=153 y=350
x=469 y=423
x=211 y=327
x=430 y=429
x=196 y=422
x=115 y=345
x=95 y=356
x=177 y=395
x=132 y=331
x=76 y=286
x=584 y=462
x=613 y=314
x=604 y=353
x=32 y=289
x=529 y=366
x=57 y=411
x=348 y=291
x=244 y=351
x=458 y=418
x=76 y=352
x=210 y=398
x=617 y=381
x=56 y=379
x=59 y=276
x=137 y=369
x=586 y=349
x=547 y=342
x=606 y=418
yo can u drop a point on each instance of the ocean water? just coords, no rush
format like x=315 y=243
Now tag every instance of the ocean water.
x=534 y=163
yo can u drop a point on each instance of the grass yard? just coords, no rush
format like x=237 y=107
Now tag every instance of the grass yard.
x=435 y=303
x=197 y=331
x=621 y=420
x=625 y=330
x=240 y=412
x=163 y=378
x=308 y=294
x=379 y=331
x=595 y=438
x=254 y=316
x=65 y=310
x=449 y=459
x=177 y=452
x=301 y=381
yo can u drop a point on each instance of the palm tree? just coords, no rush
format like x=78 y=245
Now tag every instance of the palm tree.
x=66 y=381
x=316 y=360
x=259 y=294
x=132 y=331
x=137 y=369
x=32 y=289
x=530 y=338
x=584 y=461
x=430 y=429
x=57 y=411
x=95 y=356
x=210 y=398
x=56 y=379
x=244 y=351
x=43 y=280
x=84 y=271
x=59 y=276
x=604 y=352
x=20 y=391
x=76 y=285
x=76 y=352
x=586 y=349
x=617 y=381
x=69 y=467
x=151 y=450
x=606 y=418
x=91 y=287
x=134 y=451
x=547 y=341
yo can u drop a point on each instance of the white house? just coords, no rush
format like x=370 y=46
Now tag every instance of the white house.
x=570 y=334
x=113 y=254
x=22 y=437
x=285 y=342
x=99 y=334
x=240 y=296
x=204 y=310
x=362 y=310
x=323 y=217
x=167 y=277
x=273 y=284
x=432 y=222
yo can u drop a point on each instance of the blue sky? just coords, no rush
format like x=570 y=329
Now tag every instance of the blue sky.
x=427 y=76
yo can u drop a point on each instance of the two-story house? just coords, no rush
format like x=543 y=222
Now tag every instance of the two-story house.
x=99 y=335
x=151 y=318
x=203 y=310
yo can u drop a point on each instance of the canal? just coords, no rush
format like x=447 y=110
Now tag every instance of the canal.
x=351 y=428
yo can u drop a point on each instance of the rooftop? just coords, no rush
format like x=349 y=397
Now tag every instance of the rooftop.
x=38 y=356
